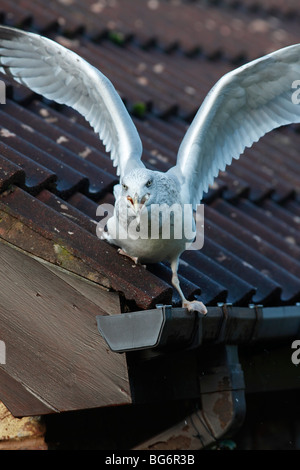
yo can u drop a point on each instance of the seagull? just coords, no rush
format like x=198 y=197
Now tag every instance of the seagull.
x=242 y=106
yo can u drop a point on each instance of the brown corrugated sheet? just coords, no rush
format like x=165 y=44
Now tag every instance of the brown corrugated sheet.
x=55 y=172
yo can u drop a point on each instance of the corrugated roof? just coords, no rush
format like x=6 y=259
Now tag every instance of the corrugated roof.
x=55 y=171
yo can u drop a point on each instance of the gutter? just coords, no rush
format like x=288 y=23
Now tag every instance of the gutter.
x=166 y=328
x=155 y=339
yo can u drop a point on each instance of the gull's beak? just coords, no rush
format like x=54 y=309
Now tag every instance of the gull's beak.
x=137 y=202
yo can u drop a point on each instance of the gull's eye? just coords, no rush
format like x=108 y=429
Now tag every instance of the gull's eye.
x=124 y=187
x=148 y=184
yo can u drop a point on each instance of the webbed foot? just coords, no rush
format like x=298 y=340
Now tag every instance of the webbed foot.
x=195 y=305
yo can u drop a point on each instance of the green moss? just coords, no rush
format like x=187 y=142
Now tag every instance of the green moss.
x=116 y=37
x=63 y=255
x=139 y=109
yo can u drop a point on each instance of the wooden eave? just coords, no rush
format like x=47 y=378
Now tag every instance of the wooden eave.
x=55 y=358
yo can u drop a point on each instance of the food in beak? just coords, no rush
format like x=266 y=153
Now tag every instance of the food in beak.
x=135 y=202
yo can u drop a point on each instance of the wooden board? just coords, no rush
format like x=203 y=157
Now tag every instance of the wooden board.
x=56 y=360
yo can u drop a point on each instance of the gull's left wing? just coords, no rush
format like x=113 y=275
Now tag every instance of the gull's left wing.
x=244 y=105
x=61 y=75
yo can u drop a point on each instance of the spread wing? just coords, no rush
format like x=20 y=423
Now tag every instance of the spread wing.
x=59 y=74
x=244 y=105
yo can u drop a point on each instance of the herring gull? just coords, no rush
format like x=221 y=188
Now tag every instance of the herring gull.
x=244 y=104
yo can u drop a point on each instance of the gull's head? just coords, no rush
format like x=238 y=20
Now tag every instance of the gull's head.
x=139 y=188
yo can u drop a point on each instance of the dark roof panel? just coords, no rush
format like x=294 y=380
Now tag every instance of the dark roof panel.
x=10 y=173
x=43 y=135
x=36 y=176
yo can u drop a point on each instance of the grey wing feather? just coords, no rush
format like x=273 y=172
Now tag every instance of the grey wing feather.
x=243 y=106
x=59 y=74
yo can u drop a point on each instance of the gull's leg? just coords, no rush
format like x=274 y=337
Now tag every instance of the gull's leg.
x=190 y=305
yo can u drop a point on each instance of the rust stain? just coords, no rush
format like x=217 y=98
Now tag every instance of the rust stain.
x=223 y=408
x=173 y=443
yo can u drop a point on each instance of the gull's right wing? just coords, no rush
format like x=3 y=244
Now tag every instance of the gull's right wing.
x=59 y=74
